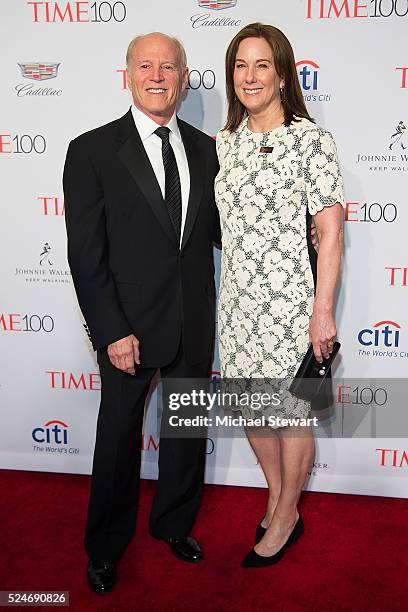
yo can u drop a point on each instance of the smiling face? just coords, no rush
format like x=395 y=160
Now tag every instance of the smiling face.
x=156 y=76
x=256 y=81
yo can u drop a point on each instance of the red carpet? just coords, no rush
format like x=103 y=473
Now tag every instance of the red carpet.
x=353 y=555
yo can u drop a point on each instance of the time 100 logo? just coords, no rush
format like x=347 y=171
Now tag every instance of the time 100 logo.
x=374 y=212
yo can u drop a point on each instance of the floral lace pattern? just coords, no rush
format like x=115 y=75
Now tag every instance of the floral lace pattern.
x=266 y=286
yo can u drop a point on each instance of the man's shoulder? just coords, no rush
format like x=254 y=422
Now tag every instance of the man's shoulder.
x=101 y=134
x=202 y=137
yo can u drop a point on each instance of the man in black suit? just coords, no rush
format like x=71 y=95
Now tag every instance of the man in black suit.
x=141 y=220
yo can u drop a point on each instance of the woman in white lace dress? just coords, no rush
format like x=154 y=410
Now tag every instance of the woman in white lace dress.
x=278 y=170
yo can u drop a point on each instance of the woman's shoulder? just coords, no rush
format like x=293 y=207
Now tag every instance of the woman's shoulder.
x=306 y=126
x=228 y=135
x=313 y=137
x=222 y=135
x=224 y=141
x=220 y=141
x=308 y=130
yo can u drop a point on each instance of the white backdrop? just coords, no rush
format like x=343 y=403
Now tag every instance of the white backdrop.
x=353 y=68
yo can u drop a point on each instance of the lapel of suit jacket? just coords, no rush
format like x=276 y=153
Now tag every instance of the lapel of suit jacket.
x=195 y=165
x=133 y=155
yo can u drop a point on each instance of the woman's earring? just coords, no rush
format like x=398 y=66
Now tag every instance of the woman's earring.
x=282 y=93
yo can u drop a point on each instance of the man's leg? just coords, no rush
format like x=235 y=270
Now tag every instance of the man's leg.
x=181 y=468
x=116 y=466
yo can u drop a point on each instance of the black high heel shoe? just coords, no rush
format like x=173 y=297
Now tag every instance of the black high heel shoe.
x=254 y=560
x=259 y=532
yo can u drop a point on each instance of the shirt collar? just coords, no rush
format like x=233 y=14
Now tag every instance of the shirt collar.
x=146 y=126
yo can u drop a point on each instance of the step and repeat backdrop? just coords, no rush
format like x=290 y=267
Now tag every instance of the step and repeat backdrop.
x=63 y=73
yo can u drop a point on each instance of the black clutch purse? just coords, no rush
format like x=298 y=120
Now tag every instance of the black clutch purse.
x=310 y=378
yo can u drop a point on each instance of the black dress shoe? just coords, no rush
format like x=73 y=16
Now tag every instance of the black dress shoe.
x=185 y=548
x=254 y=560
x=101 y=576
x=259 y=532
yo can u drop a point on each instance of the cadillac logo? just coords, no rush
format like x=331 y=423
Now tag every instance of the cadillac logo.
x=216 y=5
x=201 y=20
x=39 y=72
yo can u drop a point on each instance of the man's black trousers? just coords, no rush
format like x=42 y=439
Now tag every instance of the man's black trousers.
x=114 y=494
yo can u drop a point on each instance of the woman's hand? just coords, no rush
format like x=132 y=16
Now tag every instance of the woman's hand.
x=322 y=332
x=322 y=328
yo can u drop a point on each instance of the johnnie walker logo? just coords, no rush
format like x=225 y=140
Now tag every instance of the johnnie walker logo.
x=45 y=271
x=393 y=158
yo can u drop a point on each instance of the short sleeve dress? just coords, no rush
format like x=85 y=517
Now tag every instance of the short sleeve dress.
x=268 y=187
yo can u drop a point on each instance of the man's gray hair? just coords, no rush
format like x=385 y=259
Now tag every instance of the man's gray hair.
x=179 y=46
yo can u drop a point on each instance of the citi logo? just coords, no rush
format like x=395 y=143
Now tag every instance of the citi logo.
x=383 y=333
x=52 y=432
x=308 y=74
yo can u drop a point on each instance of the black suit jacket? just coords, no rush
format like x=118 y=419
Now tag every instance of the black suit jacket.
x=129 y=273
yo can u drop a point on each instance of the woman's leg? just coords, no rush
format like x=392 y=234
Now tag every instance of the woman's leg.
x=296 y=455
x=267 y=451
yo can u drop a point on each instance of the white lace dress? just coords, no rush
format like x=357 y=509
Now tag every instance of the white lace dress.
x=267 y=286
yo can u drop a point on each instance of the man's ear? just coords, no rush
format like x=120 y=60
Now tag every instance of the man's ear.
x=185 y=78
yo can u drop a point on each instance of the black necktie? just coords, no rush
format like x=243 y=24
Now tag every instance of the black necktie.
x=172 y=180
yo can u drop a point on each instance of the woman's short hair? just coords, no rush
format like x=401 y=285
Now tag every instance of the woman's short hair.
x=284 y=61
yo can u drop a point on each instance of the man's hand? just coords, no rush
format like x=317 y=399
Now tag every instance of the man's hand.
x=314 y=236
x=124 y=354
